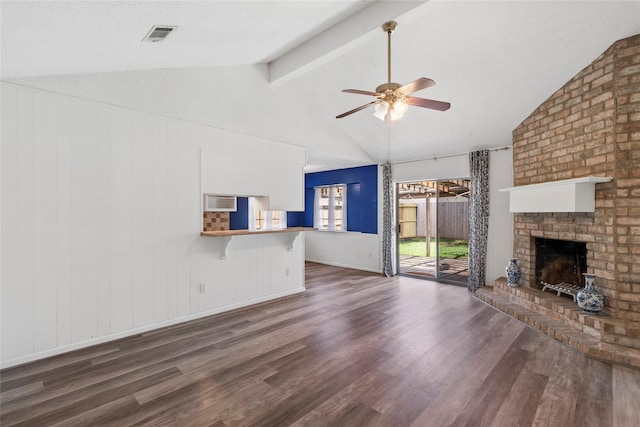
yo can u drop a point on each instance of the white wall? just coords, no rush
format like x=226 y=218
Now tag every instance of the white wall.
x=445 y=168
x=101 y=213
x=351 y=249
x=500 y=239
x=237 y=98
x=277 y=172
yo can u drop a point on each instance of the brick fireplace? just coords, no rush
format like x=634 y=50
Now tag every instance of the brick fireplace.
x=590 y=127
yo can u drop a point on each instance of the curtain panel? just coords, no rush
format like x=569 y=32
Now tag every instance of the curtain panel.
x=343 y=223
x=387 y=221
x=478 y=218
x=317 y=223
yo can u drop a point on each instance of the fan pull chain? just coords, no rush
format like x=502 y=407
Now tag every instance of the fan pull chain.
x=388 y=144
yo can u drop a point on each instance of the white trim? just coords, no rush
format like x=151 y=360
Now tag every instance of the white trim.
x=331 y=207
x=76 y=346
x=353 y=267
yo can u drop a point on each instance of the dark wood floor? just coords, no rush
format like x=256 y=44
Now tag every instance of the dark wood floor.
x=356 y=349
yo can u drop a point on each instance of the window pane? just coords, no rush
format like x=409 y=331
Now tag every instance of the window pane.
x=338 y=192
x=266 y=220
x=324 y=207
x=328 y=207
x=275 y=219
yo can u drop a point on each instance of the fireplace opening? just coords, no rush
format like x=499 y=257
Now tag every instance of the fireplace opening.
x=560 y=261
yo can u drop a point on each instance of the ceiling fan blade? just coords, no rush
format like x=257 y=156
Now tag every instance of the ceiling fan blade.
x=428 y=103
x=360 y=92
x=416 y=85
x=355 y=110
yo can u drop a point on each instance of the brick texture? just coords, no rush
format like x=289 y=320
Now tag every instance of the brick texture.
x=590 y=126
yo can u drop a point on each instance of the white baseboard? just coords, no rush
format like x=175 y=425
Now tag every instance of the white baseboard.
x=99 y=340
x=355 y=267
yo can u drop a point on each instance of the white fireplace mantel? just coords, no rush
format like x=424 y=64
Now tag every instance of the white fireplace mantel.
x=569 y=195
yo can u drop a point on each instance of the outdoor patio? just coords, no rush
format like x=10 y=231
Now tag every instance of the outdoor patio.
x=455 y=270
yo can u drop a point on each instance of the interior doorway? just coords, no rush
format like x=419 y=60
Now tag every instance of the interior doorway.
x=433 y=229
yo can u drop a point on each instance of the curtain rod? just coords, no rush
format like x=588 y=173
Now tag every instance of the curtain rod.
x=505 y=147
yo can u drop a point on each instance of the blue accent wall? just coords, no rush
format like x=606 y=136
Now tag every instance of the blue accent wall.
x=239 y=220
x=295 y=219
x=362 y=197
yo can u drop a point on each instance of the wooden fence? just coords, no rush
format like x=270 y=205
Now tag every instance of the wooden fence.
x=454 y=218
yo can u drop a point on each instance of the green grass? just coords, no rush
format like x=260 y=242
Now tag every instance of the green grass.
x=449 y=248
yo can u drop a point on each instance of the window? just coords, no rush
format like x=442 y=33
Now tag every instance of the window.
x=330 y=208
x=260 y=219
x=269 y=220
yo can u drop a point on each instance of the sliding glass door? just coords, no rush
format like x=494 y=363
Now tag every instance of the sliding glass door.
x=433 y=229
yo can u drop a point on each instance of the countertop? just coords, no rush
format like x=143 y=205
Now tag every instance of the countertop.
x=224 y=233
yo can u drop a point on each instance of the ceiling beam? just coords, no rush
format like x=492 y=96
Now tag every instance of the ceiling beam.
x=338 y=39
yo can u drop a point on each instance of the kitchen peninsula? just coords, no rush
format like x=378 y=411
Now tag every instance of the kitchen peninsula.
x=221 y=233
x=226 y=236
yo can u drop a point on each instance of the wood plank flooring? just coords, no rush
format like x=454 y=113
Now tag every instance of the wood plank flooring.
x=356 y=349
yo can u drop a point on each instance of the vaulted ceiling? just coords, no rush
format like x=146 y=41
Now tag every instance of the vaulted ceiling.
x=275 y=69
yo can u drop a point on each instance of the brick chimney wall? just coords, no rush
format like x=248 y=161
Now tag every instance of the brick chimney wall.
x=591 y=126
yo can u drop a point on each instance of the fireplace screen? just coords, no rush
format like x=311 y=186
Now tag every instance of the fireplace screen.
x=560 y=261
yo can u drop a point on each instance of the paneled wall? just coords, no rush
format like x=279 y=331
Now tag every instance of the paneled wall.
x=101 y=214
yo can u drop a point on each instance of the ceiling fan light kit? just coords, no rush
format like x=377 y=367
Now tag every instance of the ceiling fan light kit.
x=380 y=109
x=393 y=99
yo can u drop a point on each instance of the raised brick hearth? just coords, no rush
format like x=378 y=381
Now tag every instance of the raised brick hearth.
x=589 y=127
x=601 y=337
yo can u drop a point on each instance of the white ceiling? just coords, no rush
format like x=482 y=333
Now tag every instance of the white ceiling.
x=275 y=69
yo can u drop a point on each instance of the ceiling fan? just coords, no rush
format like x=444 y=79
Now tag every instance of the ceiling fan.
x=392 y=99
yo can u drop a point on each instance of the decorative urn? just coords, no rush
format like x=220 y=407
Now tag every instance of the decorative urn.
x=589 y=299
x=513 y=272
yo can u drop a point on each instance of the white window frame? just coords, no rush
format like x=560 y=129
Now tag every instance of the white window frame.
x=317 y=208
x=267 y=217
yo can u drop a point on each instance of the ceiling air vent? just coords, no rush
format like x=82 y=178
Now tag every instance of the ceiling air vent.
x=158 y=33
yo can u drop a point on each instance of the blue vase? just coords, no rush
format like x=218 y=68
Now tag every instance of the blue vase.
x=589 y=299
x=513 y=272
